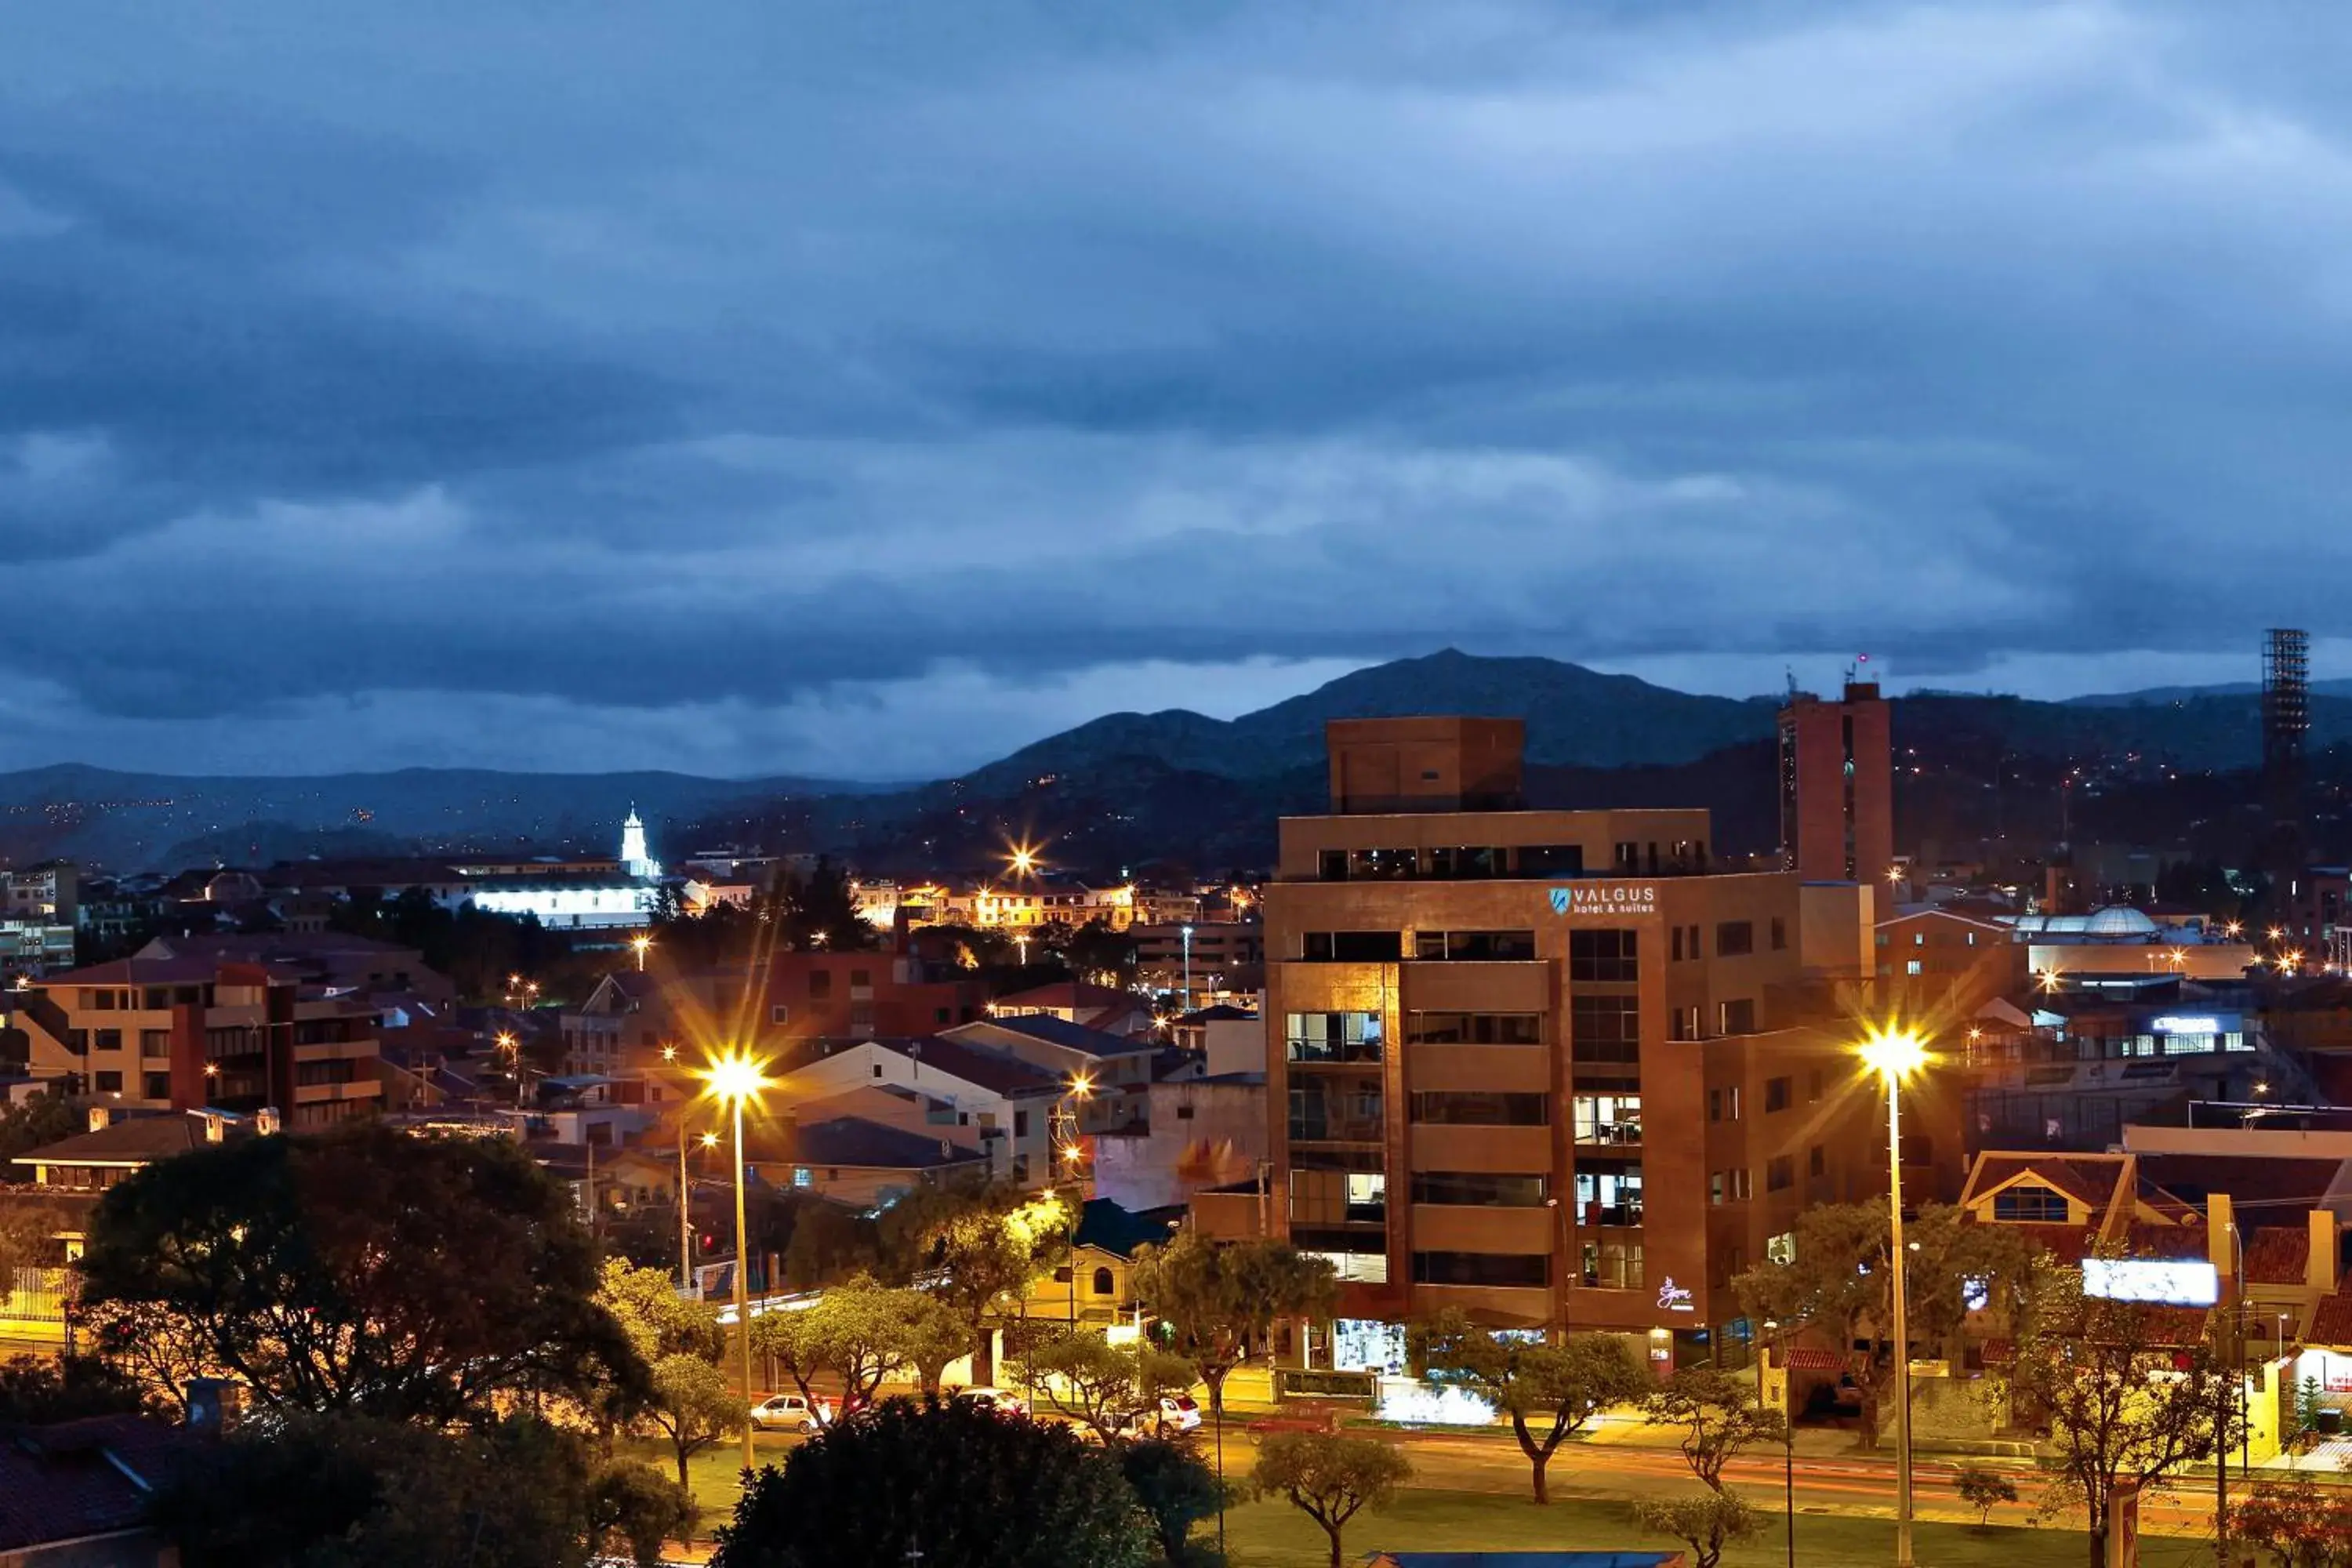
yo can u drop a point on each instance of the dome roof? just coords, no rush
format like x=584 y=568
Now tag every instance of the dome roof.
x=2118 y=921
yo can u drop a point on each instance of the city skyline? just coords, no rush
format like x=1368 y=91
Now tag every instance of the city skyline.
x=808 y=392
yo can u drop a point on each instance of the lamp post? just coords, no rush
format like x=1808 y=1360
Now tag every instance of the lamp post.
x=1895 y=1055
x=638 y=945
x=1787 y=1440
x=732 y=1080
x=1187 y=931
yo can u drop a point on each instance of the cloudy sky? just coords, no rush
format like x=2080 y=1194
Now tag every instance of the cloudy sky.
x=866 y=387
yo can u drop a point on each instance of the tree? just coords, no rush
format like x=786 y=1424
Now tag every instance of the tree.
x=1718 y=1416
x=1222 y=1298
x=1980 y=1487
x=37 y=1390
x=630 y=1508
x=351 y=1492
x=45 y=1118
x=788 y=1339
x=861 y=1331
x=935 y=1337
x=693 y=1405
x=1550 y=1391
x=2300 y=1523
x=1104 y=1386
x=2122 y=1402
x=1177 y=1490
x=1836 y=1284
x=1707 y=1523
x=976 y=1251
x=1329 y=1480
x=967 y=1487
x=155 y=1347
x=415 y=1279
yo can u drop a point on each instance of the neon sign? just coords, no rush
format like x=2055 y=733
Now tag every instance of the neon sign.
x=1673 y=1298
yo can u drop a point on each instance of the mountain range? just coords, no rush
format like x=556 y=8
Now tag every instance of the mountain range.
x=1121 y=788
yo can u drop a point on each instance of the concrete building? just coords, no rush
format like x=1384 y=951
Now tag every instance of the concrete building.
x=1195 y=1135
x=1116 y=1070
x=1934 y=963
x=1837 y=788
x=970 y=1092
x=181 y=1033
x=1547 y=1066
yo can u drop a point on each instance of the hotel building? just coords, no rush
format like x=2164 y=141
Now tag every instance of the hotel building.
x=1548 y=1066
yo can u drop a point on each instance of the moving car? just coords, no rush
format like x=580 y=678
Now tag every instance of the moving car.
x=791 y=1413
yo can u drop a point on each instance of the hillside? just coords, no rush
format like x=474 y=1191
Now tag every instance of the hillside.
x=1129 y=787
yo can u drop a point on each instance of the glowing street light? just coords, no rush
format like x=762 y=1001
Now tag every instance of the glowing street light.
x=639 y=945
x=1895 y=1054
x=1020 y=859
x=735 y=1079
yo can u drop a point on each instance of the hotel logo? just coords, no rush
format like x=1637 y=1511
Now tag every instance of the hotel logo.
x=1604 y=900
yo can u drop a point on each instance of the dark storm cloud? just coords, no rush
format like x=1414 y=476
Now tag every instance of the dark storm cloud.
x=495 y=382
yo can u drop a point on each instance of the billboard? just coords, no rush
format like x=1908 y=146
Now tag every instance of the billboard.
x=2167 y=1282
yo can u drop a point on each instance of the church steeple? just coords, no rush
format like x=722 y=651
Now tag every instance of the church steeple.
x=634 y=857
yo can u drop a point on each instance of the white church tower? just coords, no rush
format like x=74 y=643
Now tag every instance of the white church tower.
x=634 y=860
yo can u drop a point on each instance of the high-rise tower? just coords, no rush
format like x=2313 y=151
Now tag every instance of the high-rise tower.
x=1837 y=790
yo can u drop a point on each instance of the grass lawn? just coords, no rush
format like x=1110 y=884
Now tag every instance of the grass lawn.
x=1275 y=1535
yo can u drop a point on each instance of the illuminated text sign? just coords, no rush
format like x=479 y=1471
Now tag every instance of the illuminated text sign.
x=2163 y=1281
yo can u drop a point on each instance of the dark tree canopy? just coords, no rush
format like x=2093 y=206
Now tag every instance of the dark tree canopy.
x=967 y=1487
x=348 y=1492
x=414 y=1279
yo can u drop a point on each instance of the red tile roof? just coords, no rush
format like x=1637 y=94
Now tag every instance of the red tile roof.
x=2086 y=1180
x=65 y=1481
x=2278 y=1255
x=2332 y=1323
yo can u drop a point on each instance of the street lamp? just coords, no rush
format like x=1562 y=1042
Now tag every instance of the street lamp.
x=733 y=1080
x=1788 y=1438
x=1895 y=1055
x=638 y=945
x=1188 y=966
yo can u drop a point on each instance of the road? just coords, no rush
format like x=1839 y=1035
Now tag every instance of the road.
x=1614 y=1468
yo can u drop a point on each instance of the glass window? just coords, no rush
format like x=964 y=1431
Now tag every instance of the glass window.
x=1337 y=1108
x=1383 y=865
x=1465 y=1108
x=1551 y=860
x=1609 y=1197
x=1781 y=934
x=110 y=1083
x=1777 y=1094
x=1353 y=946
x=1734 y=938
x=1738 y=1017
x=1473 y=1029
x=1608 y=956
x=1779 y=1174
x=1474 y=946
x=1605 y=1029
x=2028 y=1204
x=1333 y=1037
x=1479 y=1190
x=109 y=1039
x=1505 y=1268
x=1608 y=1119
x=1612 y=1265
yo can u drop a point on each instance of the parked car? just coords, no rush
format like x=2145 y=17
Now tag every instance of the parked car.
x=1175 y=1412
x=791 y=1413
x=996 y=1399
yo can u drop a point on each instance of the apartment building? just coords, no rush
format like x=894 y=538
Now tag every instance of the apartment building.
x=181 y=1033
x=1548 y=1066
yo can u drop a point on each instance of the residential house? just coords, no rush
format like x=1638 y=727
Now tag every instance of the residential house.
x=994 y=1097
x=1116 y=1069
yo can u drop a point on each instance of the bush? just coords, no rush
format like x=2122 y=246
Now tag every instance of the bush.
x=964 y=1485
x=1980 y=1487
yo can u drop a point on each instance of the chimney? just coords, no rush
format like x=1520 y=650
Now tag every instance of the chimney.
x=2326 y=1244
x=100 y=1116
